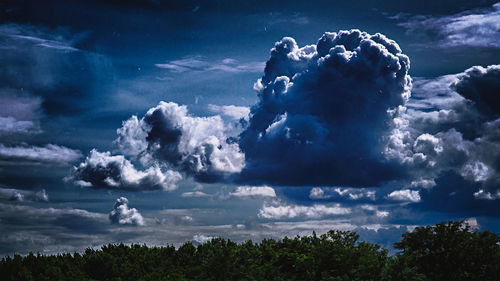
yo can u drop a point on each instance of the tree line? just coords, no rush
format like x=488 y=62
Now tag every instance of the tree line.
x=445 y=251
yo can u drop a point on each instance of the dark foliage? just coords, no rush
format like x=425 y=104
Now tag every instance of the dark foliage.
x=449 y=251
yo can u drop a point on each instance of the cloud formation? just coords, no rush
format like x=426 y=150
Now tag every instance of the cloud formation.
x=476 y=28
x=9 y=125
x=198 y=63
x=123 y=215
x=405 y=195
x=253 y=191
x=50 y=153
x=322 y=111
x=168 y=135
x=23 y=195
x=279 y=211
x=102 y=170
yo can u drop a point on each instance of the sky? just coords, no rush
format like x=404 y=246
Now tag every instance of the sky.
x=161 y=122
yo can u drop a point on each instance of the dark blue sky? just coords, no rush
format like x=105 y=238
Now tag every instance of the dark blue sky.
x=184 y=109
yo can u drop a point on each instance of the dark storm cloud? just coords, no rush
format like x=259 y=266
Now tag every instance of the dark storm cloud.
x=323 y=110
x=481 y=86
x=102 y=170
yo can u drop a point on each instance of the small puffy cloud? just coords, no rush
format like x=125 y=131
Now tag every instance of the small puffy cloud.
x=50 y=153
x=476 y=28
x=253 y=191
x=275 y=212
x=405 y=195
x=451 y=124
x=424 y=183
x=486 y=195
x=194 y=194
x=341 y=193
x=169 y=136
x=102 y=170
x=17 y=196
x=301 y=131
x=124 y=215
x=41 y=196
x=317 y=193
x=201 y=238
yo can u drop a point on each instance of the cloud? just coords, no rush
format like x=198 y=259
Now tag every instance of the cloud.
x=322 y=111
x=406 y=195
x=276 y=212
x=451 y=123
x=102 y=170
x=231 y=111
x=9 y=125
x=194 y=194
x=481 y=85
x=50 y=153
x=41 y=62
x=198 y=63
x=200 y=238
x=23 y=195
x=253 y=191
x=124 y=215
x=341 y=193
x=169 y=136
x=317 y=193
x=485 y=195
x=475 y=28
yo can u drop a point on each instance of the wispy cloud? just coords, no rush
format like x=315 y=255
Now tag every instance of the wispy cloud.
x=198 y=63
x=51 y=44
x=9 y=125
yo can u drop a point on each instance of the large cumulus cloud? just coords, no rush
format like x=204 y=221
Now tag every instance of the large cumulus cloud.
x=167 y=134
x=450 y=130
x=323 y=111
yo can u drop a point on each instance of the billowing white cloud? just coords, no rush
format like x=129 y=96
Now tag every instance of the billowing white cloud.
x=343 y=193
x=50 y=153
x=122 y=214
x=168 y=135
x=102 y=170
x=275 y=212
x=253 y=191
x=406 y=195
x=452 y=124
